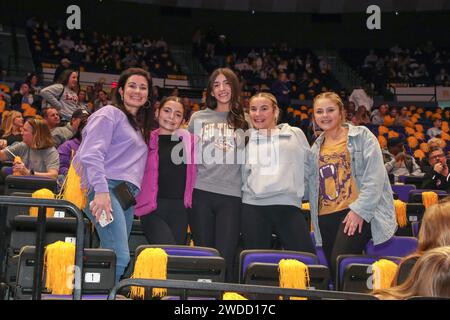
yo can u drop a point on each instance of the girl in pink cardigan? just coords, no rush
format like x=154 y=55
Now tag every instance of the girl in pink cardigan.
x=169 y=177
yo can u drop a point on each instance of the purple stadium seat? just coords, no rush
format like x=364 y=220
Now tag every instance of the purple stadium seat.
x=402 y=190
x=345 y=260
x=273 y=256
x=174 y=250
x=396 y=247
x=354 y=269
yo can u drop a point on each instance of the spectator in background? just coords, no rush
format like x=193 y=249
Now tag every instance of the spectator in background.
x=23 y=96
x=64 y=65
x=62 y=95
x=359 y=97
x=175 y=92
x=402 y=117
x=350 y=111
x=38 y=154
x=437 y=174
x=155 y=95
x=51 y=115
x=82 y=100
x=378 y=115
x=436 y=129
x=102 y=100
x=361 y=117
x=13 y=129
x=64 y=133
x=281 y=89
x=397 y=161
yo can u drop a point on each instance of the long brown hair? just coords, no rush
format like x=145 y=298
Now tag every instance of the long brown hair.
x=429 y=277
x=236 y=117
x=42 y=137
x=144 y=120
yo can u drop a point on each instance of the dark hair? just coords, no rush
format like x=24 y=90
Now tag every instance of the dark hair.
x=64 y=77
x=81 y=126
x=173 y=98
x=236 y=118
x=144 y=119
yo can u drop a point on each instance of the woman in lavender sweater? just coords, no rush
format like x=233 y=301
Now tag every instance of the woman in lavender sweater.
x=114 y=151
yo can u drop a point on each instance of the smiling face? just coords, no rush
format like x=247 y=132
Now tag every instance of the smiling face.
x=170 y=117
x=73 y=80
x=327 y=114
x=221 y=90
x=135 y=93
x=263 y=113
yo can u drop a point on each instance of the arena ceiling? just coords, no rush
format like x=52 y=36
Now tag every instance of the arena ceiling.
x=306 y=6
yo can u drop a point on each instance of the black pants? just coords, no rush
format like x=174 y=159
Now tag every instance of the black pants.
x=167 y=224
x=215 y=222
x=258 y=223
x=335 y=242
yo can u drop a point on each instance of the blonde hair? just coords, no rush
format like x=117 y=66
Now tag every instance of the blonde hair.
x=272 y=99
x=334 y=97
x=429 y=277
x=42 y=138
x=9 y=122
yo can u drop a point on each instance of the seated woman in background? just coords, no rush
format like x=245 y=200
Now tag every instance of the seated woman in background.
x=361 y=117
x=13 y=129
x=430 y=277
x=434 y=232
x=38 y=155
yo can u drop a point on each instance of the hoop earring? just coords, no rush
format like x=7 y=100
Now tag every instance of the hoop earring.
x=147 y=105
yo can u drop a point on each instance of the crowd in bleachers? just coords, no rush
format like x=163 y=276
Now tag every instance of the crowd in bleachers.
x=424 y=65
x=258 y=68
x=99 y=52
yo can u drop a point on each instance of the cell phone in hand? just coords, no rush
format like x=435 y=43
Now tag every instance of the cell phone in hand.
x=103 y=221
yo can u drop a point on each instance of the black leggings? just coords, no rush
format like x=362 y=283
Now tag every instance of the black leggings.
x=335 y=242
x=167 y=224
x=215 y=222
x=258 y=223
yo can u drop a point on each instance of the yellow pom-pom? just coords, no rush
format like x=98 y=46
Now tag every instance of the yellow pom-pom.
x=233 y=296
x=424 y=147
x=150 y=264
x=429 y=198
x=400 y=212
x=59 y=260
x=42 y=194
x=384 y=272
x=393 y=134
x=306 y=206
x=293 y=274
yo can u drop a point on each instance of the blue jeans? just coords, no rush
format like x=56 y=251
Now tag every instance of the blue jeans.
x=115 y=235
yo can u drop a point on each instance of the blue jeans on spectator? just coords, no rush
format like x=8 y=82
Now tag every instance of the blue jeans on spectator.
x=115 y=235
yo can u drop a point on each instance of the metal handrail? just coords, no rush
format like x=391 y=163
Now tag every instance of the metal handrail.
x=42 y=204
x=241 y=288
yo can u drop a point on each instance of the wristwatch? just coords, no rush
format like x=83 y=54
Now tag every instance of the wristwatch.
x=32 y=172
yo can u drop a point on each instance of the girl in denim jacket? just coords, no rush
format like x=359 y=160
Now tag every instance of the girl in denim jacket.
x=169 y=178
x=350 y=194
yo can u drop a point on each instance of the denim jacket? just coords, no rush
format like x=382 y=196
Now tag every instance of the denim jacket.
x=375 y=203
